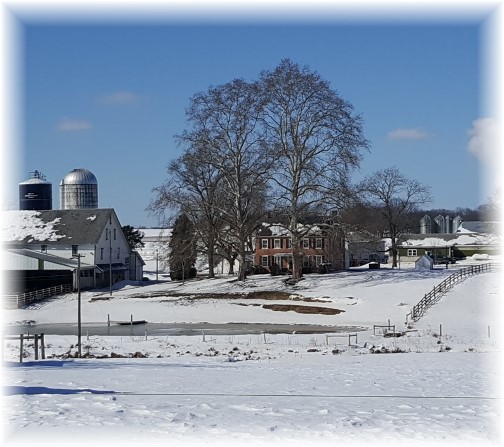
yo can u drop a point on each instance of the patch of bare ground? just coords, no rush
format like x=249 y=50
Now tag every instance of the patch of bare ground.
x=303 y=309
x=256 y=295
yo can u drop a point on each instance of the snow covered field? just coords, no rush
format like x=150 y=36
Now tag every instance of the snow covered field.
x=264 y=388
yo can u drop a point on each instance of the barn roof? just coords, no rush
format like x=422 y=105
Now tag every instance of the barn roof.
x=57 y=227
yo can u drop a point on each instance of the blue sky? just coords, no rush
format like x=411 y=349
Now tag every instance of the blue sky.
x=110 y=97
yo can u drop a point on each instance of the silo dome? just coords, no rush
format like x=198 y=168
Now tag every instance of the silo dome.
x=80 y=177
x=79 y=189
x=35 y=193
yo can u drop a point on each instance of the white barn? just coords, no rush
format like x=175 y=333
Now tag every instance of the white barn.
x=40 y=246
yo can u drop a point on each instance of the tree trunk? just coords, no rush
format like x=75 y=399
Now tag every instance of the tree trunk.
x=297 y=266
x=211 y=261
x=394 y=252
x=241 y=260
x=231 y=259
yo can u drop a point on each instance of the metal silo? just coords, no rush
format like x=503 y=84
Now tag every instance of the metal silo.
x=35 y=193
x=440 y=221
x=425 y=225
x=456 y=223
x=79 y=189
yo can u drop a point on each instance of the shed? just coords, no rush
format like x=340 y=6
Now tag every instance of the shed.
x=424 y=263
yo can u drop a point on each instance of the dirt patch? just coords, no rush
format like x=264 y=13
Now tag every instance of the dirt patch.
x=257 y=295
x=303 y=309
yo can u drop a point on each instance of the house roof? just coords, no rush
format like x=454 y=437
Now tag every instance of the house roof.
x=476 y=226
x=155 y=234
x=59 y=227
x=279 y=230
x=449 y=239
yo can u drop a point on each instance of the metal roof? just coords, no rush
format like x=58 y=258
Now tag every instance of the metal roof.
x=35 y=181
x=72 y=227
x=72 y=263
x=79 y=176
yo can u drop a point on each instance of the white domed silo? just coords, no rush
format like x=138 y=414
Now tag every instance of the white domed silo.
x=425 y=225
x=79 y=189
x=35 y=194
x=448 y=224
x=456 y=223
x=440 y=224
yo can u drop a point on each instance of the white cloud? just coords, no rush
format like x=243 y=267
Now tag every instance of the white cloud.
x=72 y=125
x=483 y=139
x=118 y=98
x=407 y=134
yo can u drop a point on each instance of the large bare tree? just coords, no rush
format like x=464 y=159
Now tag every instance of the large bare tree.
x=225 y=121
x=395 y=200
x=194 y=187
x=318 y=141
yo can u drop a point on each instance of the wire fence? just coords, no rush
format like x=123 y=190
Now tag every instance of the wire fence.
x=431 y=298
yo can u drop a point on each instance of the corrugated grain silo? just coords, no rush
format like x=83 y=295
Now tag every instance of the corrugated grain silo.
x=425 y=225
x=78 y=190
x=456 y=223
x=35 y=194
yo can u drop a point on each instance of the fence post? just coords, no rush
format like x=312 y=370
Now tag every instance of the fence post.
x=42 y=346
x=21 y=348
x=440 y=330
x=35 y=342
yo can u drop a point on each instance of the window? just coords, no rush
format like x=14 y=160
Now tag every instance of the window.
x=264 y=243
x=276 y=243
x=115 y=234
x=264 y=261
x=101 y=253
x=43 y=248
x=289 y=243
x=106 y=234
x=318 y=243
x=412 y=252
x=306 y=243
x=75 y=250
x=319 y=260
x=118 y=252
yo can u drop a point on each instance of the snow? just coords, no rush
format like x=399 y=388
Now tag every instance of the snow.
x=22 y=224
x=442 y=385
x=459 y=239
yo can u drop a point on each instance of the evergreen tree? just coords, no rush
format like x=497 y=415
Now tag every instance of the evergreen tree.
x=134 y=237
x=182 y=249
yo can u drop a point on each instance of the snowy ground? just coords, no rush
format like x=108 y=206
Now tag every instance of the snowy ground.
x=259 y=389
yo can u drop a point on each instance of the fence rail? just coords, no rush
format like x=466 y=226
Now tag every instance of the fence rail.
x=438 y=291
x=23 y=299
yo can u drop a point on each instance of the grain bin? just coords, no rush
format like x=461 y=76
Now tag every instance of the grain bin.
x=35 y=194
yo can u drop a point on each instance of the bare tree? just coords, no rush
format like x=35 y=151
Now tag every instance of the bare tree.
x=225 y=121
x=395 y=200
x=194 y=188
x=317 y=140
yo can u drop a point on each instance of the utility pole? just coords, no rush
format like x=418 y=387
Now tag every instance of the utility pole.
x=79 y=320
x=157 y=265
x=110 y=261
